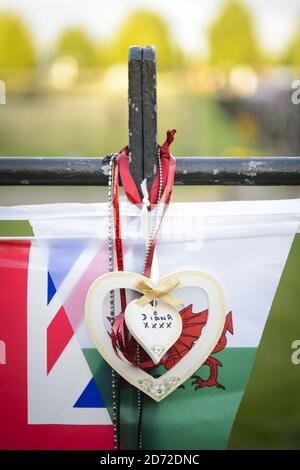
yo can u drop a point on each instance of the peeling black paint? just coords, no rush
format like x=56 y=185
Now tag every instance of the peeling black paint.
x=86 y=171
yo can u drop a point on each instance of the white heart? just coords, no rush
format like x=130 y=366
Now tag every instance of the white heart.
x=156 y=388
x=156 y=329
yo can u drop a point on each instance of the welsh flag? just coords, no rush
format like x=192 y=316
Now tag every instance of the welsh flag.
x=56 y=388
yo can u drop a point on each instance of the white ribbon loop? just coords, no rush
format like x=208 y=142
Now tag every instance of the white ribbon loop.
x=147 y=229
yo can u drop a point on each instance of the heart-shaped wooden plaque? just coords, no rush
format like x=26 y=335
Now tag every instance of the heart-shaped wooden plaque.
x=156 y=388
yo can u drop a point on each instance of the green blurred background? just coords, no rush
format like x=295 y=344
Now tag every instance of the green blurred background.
x=226 y=73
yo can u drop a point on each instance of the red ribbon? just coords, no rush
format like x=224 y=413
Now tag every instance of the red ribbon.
x=119 y=336
x=128 y=182
x=118 y=241
x=118 y=237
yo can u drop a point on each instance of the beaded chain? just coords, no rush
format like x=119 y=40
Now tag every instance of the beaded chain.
x=153 y=226
x=111 y=264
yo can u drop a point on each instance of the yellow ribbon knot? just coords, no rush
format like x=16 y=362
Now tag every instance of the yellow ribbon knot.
x=158 y=291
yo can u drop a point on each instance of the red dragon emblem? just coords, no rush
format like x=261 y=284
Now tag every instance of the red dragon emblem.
x=193 y=324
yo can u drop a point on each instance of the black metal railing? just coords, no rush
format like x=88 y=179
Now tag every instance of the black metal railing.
x=87 y=171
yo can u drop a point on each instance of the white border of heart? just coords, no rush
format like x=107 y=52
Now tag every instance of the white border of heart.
x=191 y=361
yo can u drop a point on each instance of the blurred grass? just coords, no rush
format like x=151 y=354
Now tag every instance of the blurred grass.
x=90 y=125
x=15 y=228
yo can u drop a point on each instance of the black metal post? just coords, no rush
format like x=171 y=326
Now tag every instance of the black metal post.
x=135 y=113
x=149 y=114
x=142 y=111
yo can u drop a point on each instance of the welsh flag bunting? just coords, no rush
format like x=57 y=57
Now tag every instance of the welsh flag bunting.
x=55 y=386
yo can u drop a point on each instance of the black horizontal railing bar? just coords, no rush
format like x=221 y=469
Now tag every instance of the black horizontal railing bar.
x=90 y=171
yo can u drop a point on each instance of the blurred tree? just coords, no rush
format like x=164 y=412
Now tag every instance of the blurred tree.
x=77 y=43
x=232 y=37
x=292 y=55
x=106 y=54
x=144 y=27
x=16 y=44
